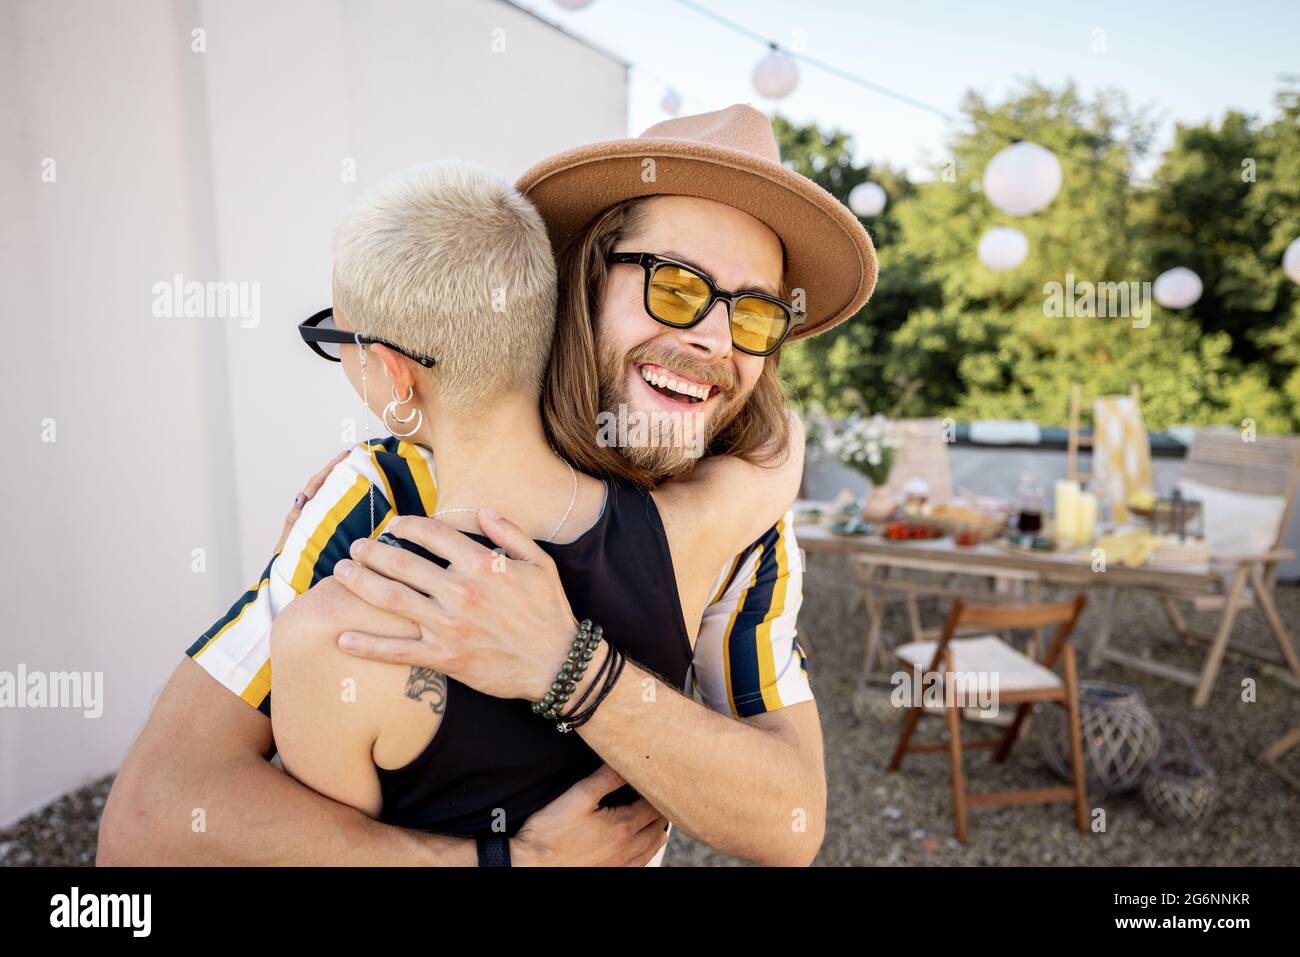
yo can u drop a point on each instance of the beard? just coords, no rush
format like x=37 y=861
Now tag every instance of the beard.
x=668 y=459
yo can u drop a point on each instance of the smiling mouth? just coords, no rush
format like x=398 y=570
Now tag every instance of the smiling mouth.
x=673 y=387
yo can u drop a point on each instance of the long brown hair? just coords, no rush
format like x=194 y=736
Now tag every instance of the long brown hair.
x=759 y=432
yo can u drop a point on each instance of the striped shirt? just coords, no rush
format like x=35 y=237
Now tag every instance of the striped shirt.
x=747 y=660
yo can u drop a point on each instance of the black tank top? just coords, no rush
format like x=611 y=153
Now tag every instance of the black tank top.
x=491 y=756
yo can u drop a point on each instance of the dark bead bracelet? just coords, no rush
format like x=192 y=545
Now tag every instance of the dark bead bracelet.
x=575 y=666
x=615 y=660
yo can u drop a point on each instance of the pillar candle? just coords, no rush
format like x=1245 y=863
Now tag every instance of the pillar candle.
x=1067 y=512
x=1087 y=521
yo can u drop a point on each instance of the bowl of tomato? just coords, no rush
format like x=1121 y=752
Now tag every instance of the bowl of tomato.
x=911 y=532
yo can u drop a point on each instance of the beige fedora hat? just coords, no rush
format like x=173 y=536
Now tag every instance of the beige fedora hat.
x=729 y=156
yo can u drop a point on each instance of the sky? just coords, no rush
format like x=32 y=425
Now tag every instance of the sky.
x=1188 y=61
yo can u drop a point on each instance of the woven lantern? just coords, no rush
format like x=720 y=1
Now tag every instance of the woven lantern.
x=1120 y=737
x=1180 y=789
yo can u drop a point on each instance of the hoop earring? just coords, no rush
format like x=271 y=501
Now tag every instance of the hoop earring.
x=415 y=414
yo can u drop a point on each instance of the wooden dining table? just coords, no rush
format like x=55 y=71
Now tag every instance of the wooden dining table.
x=1034 y=570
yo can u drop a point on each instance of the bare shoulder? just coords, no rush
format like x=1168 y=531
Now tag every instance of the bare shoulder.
x=394 y=708
x=327 y=610
x=311 y=674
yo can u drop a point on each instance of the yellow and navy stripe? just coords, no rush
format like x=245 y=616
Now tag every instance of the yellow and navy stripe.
x=392 y=474
x=253 y=694
x=407 y=476
x=331 y=540
x=747 y=650
x=230 y=618
x=408 y=485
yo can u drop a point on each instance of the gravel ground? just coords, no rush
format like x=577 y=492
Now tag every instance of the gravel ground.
x=906 y=818
x=875 y=817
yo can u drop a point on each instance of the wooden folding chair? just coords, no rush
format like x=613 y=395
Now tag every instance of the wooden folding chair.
x=923 y=455
x=1021 y=681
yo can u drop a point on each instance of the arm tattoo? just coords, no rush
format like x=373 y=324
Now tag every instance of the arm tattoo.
x=427 y=684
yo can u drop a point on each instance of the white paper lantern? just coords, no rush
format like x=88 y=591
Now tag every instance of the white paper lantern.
x=1291 y=260
x=1177 y=288
x=1022 y=178
x=776 y=75
x=1003 y=248
x=671 y=102
x=867 y=199
x=572 y=4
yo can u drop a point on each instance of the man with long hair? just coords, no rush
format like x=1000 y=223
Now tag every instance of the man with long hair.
x=687 y=257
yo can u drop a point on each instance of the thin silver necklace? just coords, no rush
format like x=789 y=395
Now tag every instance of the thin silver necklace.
x=567 y=512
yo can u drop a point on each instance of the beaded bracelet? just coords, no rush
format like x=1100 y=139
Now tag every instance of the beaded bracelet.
x=577 y=718
x=575 y=665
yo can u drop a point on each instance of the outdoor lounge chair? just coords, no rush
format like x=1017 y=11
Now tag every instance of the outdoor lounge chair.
x=1222 y=461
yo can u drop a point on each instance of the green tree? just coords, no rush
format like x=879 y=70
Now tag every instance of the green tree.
x=946 y=335
x=847 y=370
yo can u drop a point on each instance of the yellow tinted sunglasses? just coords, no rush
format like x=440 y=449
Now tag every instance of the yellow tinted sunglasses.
x=679 y=295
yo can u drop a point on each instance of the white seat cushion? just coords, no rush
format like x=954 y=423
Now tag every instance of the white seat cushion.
x=1236 y=523
x=986 y=654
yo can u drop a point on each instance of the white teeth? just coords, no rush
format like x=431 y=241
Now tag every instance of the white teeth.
x=667 y=382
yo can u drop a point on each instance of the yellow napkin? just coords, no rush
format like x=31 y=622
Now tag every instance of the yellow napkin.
x=1131 y=548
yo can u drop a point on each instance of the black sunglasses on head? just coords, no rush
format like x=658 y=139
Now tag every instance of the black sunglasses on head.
x=679 y=295
x=324 y=338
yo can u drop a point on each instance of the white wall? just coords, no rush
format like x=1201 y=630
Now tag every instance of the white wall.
x=177 y=434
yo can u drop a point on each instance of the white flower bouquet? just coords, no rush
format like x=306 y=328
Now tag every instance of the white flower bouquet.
x=867 y=444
